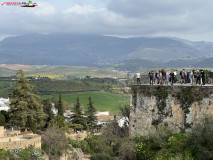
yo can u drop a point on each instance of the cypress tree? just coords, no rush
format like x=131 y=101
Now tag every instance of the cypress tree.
x=77 y=117
x=47 y=107
x=26 y=110
x=91 y=117
x=60 y=107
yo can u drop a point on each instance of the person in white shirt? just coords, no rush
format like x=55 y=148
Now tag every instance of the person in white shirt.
x=138 y=76
x=175 y=76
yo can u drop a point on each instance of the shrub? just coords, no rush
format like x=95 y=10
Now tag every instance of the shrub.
x=92 y=144
x=54 y=142
x=127 y=150
x=3 y=155
x=200 y=139
x=26 y=154
x=101 y=156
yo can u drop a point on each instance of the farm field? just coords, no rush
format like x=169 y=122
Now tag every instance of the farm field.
x=60 y=72
x=103 y=101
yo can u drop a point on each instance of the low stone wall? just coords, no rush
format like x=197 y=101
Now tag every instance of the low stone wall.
x=1 y=131
x=179 y=107
x=25 y=142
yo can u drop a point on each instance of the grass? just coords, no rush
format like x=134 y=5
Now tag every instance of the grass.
x=103 y=101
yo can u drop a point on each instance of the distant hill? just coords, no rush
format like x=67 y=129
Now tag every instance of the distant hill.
x=206 y=63
x=134 y=65
x=95 y=50
x=139 y=64
x=7 y=72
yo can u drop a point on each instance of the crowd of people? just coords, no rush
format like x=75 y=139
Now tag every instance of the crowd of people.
x=170 y=77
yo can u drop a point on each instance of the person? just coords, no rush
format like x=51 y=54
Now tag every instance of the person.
x=151 y=78
x=167 y=77
x=138 y=76
x=157 y=77
x=164 y=76
x=189 y=73
x=182 y=76
x=195 y=76
x=160 y=78
x=202 y=77
x=185 y=76
x=172 y=78
x=210 y=77
x=154 y=79
x=175 y=75
x=198 y=77
x=192 y=77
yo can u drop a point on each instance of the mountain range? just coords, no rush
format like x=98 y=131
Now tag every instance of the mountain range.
x=97 y=50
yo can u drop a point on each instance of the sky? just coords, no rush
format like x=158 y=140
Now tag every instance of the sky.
x=187 y=19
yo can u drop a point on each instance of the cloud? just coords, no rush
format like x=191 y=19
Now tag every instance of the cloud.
x=82 y=10
x=44 y=9
x=191 y=18
x=166 y=16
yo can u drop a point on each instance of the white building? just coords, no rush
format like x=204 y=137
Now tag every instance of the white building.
x=122 y=121
x=4 y=104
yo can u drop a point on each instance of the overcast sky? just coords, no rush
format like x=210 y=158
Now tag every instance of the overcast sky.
x=188 y=19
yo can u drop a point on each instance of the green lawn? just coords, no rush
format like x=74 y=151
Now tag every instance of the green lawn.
x=102 y=101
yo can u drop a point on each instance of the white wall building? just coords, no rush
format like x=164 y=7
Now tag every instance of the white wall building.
x=4 y=104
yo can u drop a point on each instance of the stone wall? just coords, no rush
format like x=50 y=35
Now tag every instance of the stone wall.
x=176 y=106
x=20 y=142
x=1 y=131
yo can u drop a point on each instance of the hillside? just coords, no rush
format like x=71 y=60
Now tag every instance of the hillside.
x=139 y=64
x=95 y=50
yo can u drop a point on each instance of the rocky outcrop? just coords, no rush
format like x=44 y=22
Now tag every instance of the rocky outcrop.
x=178 y=107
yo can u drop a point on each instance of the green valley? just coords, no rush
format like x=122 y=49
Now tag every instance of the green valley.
x=103 y=101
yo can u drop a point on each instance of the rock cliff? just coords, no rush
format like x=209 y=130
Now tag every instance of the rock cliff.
x=178 y=107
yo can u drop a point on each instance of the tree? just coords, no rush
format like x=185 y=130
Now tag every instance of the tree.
x=112 y=133
x=77 y=117
x=60 y=107
x=59 y=121
x=26 y=108
x=125 y=111
x=2 y=119
x=47 y=107
x=91 y=117
x=54 y=142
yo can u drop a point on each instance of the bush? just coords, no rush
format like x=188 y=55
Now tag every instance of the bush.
x=201 y=140
x=101 y=156
x=163 y=145
x=25 y=154
x=54 y=142
x=3 y=155
x=92 y=144
x=127 y=150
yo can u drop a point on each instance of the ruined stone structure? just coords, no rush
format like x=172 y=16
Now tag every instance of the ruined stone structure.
x=8 y=141
x=178 y=107
x=1 y=131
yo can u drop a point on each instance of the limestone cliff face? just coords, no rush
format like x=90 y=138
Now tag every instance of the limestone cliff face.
x=176 y=106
